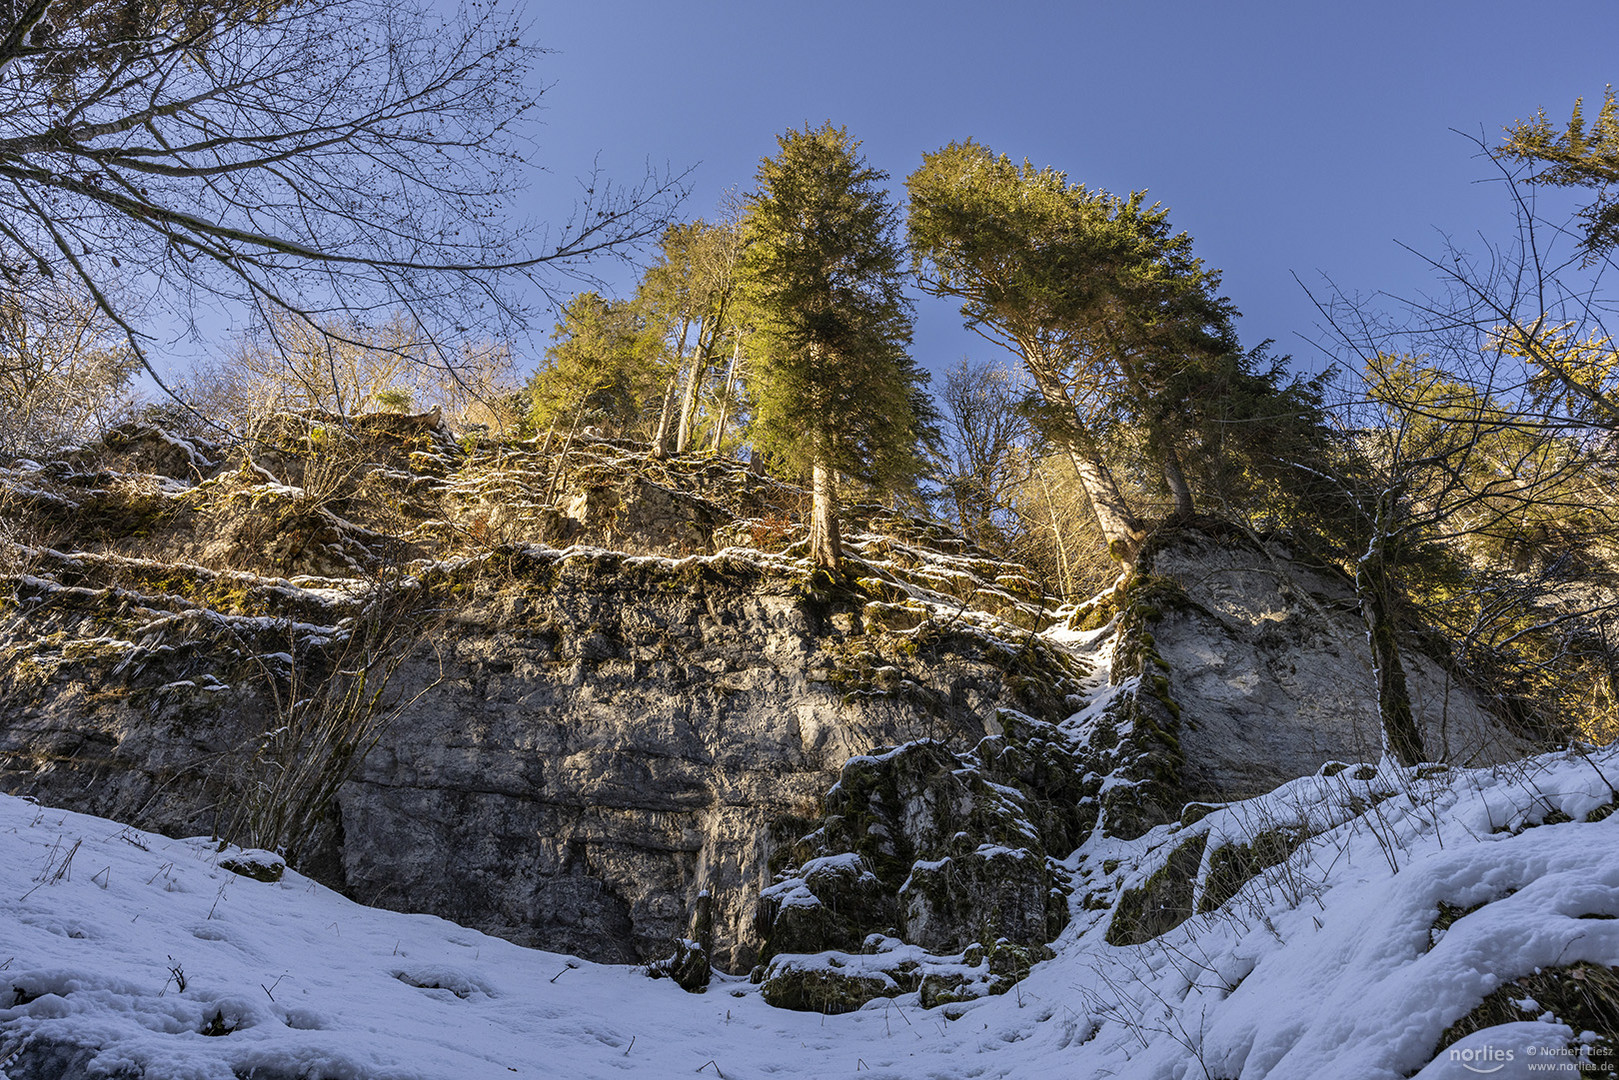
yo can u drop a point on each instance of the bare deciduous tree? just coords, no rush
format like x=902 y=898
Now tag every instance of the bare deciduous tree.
x=1482 y=469
x=987 y=446
x=328 y=159
x=64 y=370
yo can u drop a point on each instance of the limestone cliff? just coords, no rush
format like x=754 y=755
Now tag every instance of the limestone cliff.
x=593 y=741
x=608 y=753
x=1241 y=665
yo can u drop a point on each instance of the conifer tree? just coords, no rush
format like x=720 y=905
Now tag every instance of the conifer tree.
x=1119 y=326
x=1576 y=156
x=595 y=370
x=835 y=391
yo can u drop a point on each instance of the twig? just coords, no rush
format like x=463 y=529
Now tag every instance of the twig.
x=52 y=874
x=177 y=976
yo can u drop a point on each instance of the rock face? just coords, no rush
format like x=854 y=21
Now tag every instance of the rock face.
x=612 y=737
x=654 y=757
x=1264 y=636
x=1247 y=667
x=940 y=848
x=592 y=743
x=945 y=851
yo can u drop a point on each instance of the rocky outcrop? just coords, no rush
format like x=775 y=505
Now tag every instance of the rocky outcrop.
x=941 y=850
x=593 y=740
x=860 y=788
x=1243 y=666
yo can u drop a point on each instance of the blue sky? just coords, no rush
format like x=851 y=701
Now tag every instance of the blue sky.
x=1287 y=138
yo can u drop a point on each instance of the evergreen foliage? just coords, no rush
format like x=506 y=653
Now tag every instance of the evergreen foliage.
x=834 y=389
x=1576 y=156
x=597 y=370
x=1119 y=325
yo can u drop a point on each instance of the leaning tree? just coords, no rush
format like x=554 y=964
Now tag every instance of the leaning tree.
x=1117 y=323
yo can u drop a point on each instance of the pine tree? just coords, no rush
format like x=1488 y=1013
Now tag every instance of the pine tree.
x=1576 y=156
x=596 y=369
x=835 y=391
x=1120 y=327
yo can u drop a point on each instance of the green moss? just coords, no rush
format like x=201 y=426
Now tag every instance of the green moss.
x=23 y=669
x=1158 y=686
x=81 y=650
x=1096 y=900
x=1145 y=600
x=882 y=590
x=1151 y=758
x=822 y=989
x=259 y=869
x=688 y=965
x=946 y=988
x=1098 y=613
x=1161 y=903
x=223 y=592
x=1021 y=587
x=1194 y=812
x=1231 y=866
x=1148 y=597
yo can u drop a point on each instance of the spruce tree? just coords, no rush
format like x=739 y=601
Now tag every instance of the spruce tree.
x=1121 y=328
x=596 y=369
x=835 y=390
x=1576 y=156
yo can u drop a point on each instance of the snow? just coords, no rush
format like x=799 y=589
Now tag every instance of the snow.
x=1324 y=967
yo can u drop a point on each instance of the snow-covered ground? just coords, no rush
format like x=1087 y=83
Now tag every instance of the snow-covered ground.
x=136 y=947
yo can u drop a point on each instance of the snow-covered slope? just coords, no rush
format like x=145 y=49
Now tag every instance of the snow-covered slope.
x=1410 y=902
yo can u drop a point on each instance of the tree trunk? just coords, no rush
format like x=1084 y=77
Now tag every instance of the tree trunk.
x=964 y=510
x=694 y=378
x=725 y=398
x=825 y=546
x=553 y=484
x=699 y=372
x=1401 y=736
x=1121 y=529
x=660 y=440
x=550 y=431
x=1176 y=479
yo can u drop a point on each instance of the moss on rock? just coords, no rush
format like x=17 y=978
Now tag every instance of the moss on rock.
x=1231 y=866
x=816 y=984
x=1162 y=902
